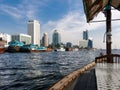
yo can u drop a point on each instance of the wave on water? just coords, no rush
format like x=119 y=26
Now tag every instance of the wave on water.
x=38 y=71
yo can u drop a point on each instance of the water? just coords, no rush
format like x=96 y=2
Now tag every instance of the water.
x=37 y=71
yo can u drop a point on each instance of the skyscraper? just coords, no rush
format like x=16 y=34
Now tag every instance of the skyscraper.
x=34 y=31
x=90 y=43
x=86 y=42
x=45 y=40
x=56 y=40
x=85 y=35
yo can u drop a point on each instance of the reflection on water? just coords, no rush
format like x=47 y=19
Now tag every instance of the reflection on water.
x=33 y=71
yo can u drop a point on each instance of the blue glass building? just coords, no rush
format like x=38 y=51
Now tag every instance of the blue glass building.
x=90 y=43
x=68 y=44
x=85 y=35
x=56 y=40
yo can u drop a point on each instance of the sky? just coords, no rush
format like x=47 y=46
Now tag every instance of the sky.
x=67 y=16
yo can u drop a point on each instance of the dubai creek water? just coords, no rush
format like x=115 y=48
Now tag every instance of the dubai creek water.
x=38 y=71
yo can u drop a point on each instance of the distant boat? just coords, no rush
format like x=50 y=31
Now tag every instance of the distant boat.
x=69 y=49
x=33 y=48
x=75 y=49
x=41 y=49
x=60 y=49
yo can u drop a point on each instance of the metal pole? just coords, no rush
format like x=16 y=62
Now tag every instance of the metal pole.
x=108 y=33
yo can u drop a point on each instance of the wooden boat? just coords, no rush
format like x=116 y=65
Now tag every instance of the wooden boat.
x=68 y=49
x=2 y=50
x=2 y=46
x=34 y=48
x=14 y=46
x=45 y=50
x=107 y=66
x=72 y=80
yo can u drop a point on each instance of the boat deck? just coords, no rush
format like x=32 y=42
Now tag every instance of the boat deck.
x=87 y=81
x=108 y=76
x=101 y=74
x=104 y=76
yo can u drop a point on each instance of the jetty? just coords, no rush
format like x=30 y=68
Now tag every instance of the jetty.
x=104 y=72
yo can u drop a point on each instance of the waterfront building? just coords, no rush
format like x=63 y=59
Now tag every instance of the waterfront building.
x=45 y=40
x=83 y=44
x=33 y=29
x=90 y=43
x=26 y=39
x=86 y=42
x=56 y=39
x=85 y=35
x=68 y=44
x=5 y=37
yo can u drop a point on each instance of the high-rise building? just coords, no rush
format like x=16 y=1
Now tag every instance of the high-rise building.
x=83 y=44
x=90 y=43
x=68 y=44
x=26 y=39
x=34 y=31
x=56 y=40
x=85 y=35
x=45 y=40
x=86 y=42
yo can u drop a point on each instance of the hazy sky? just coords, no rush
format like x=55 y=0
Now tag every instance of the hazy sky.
x=67 y=16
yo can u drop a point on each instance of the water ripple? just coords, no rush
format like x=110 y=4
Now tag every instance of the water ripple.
x=37 y=71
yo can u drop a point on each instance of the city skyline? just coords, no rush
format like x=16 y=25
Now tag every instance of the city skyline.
x=64 y=15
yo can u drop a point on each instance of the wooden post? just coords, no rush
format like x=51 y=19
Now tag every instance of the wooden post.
x=108 y=33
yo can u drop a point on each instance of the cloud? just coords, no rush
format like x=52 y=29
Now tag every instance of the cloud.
x=70 y=26
x=74 y=23
x=25 y=9
x=13 y=11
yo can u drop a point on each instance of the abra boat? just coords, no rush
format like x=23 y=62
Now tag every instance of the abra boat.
x=34 y=48
x=14 y=46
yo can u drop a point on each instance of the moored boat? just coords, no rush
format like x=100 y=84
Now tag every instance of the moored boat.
x=34 y=48
x=59 y=49
x=2 y=46
x=14 y=46
x=2 y=50
x=68 y=49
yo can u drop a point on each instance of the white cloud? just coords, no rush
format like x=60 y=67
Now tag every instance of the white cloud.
x=13 y=11
x=26 y=8
x=70 y=26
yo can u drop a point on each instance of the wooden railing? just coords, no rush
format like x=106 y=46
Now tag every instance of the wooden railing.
x=103 y=59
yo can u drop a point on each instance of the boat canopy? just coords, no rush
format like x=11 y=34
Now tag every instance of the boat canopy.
x=93 y=7
x=15 y=43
